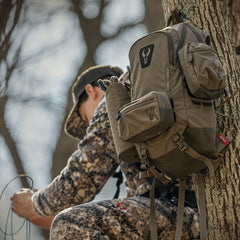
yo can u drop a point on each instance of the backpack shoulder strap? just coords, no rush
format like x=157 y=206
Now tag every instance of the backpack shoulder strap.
x=153 y=222
x=184 y=147
x=180 y=210
x=201 y=206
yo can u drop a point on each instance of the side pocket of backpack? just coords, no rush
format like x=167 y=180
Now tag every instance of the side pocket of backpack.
x=116 y=97
x=146 y=117
x=204 y=73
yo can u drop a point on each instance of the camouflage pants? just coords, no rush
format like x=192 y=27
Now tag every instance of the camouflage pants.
x=120 y=219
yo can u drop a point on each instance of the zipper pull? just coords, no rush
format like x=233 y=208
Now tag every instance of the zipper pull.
x=119 y=115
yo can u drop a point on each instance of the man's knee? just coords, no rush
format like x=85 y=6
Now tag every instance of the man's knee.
x=59 y=226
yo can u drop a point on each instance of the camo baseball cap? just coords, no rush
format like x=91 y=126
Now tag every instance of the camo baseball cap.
x=75 y=126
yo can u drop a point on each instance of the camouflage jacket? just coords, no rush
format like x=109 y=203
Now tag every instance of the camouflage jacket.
x=86 y=172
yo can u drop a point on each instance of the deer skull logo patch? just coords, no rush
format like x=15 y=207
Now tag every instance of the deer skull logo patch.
x=146 y=55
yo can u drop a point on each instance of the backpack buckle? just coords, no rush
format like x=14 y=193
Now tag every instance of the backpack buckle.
x=145 y=174
x=143 y=158
x=182 y=146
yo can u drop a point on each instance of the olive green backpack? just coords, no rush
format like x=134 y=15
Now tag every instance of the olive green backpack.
x=165 y=118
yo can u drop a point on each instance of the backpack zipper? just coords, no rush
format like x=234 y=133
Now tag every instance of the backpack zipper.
x=170 y=47
x=127 y=109
x=195 y=32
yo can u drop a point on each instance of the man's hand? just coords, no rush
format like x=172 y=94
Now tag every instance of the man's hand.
x=22 y=203
x=22 y=206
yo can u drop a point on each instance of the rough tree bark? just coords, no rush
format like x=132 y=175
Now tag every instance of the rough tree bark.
x=222 y=191
x=234 y=7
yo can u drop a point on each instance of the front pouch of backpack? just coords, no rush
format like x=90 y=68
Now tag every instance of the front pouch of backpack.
x=204 y=73
x=146 y=117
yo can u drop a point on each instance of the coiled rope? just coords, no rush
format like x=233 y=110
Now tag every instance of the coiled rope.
x=9 y=218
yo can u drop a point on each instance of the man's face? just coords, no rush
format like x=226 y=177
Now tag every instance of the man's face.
x=88 y=107
x=85 y=111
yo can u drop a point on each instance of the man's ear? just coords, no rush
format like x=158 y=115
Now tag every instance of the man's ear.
x=91 y=92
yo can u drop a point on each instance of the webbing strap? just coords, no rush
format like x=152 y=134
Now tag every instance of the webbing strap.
x=192 y=153
x=180 y=210
x=202 y=206
x=161 y=177
x=119 y=177
x=153 y=222
x=184 y=147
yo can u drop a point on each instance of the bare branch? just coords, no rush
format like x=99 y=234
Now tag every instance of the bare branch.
x=6 y=8
x=4 y=131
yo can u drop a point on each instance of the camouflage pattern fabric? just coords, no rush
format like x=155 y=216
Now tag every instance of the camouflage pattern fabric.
x=126 y=219
x=75 y=125
x=88 y=169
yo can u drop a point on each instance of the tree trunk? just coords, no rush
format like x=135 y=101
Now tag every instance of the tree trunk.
x=5 y=133
x=222 y=191
x=234 y=6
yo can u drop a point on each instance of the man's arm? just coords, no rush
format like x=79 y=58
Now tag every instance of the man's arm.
x=87 y=170
x=43 y=222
